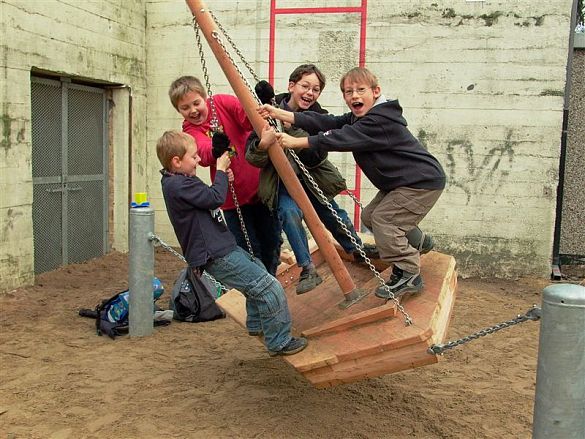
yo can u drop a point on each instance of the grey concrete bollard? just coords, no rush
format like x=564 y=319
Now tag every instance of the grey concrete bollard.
x=559 y=407
x=141 y=271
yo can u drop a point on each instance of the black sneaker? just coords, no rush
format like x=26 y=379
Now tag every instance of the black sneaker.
x=296 y=344
x=400 y=283
x=309 y=279
x=428 y=243
x=370 y=250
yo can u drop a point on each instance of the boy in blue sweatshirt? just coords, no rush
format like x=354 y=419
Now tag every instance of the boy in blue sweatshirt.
x=207 y=244
x=408 y=178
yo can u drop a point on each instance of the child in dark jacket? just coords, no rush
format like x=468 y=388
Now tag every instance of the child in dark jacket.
x=305 y=84
x=207 y=244
x=409 y=179
x=200 y=113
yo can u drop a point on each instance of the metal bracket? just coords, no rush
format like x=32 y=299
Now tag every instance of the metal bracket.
x=352 y=298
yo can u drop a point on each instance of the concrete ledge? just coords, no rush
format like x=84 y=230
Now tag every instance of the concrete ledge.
x=579 y=41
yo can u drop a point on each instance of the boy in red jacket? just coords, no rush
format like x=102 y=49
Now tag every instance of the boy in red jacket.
x=231 y=132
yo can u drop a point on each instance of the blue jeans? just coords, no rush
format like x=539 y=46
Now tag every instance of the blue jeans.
x=266 y=303
x=263 y=230
x=291 y=218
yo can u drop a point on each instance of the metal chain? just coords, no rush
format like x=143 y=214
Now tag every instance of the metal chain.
x=158 y=241
x=407 y=319
x=214 y=122
x=214 y=126
x=533 y=313
x=241 y=218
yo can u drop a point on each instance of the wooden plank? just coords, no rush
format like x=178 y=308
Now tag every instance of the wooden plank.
x=364 y=340
x=344 y=323
x=408 y=357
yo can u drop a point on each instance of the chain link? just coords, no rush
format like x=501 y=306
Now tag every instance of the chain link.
x=533 y=313
x=214 y=126
x=158 y=241
x=213 y=123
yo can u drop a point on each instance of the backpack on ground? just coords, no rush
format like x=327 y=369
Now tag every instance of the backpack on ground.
x=111 y=315
x=192 y=299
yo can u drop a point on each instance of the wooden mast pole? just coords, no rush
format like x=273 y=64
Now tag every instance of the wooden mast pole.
x=275 y=152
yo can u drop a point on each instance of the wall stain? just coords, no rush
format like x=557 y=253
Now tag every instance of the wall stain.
x=479 y=176
x=6 y=122
x=11 y=217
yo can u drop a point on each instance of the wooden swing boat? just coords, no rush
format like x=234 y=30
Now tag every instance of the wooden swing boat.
x=352 y=334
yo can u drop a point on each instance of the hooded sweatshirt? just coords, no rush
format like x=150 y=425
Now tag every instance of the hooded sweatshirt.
x=381 y=144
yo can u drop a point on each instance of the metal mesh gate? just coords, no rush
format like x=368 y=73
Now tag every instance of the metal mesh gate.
x=69 y=172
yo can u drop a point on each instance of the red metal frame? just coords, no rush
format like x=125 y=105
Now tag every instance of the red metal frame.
x=362 y=10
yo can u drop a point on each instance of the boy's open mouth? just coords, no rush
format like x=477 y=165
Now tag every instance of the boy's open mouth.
x=357 y=105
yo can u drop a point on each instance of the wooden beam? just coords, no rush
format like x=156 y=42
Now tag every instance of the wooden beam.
x=275 y=152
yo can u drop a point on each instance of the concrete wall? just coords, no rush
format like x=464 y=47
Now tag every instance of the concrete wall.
x=481 y=83
x=99 y=42
x=573 y=212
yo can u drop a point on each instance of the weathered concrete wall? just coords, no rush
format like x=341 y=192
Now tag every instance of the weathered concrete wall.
x=573 y=212
x=481 y=84
x=98 y=41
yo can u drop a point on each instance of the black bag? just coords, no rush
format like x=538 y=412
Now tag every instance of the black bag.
x=192 y=299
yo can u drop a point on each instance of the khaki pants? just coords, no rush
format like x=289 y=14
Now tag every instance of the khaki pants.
x=391 y=215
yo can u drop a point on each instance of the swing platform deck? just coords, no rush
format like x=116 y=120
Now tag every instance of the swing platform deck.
x=370 y=337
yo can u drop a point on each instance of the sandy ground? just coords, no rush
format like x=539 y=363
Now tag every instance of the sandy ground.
x=211 y=380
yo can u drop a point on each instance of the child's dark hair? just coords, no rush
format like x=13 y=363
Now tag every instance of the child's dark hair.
x=359 y=75
x=307 y=69
x=183 y=85
x=172 y=144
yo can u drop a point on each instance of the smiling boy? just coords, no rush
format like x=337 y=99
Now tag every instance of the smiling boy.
x=190 y=99
x=193 y=208
x=408 y=178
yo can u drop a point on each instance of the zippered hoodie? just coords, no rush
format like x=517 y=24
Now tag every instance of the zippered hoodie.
x=193 y=208
x=381 y=144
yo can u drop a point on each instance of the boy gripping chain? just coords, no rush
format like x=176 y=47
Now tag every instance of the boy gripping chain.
x=305 y=85
x=190 y=99
x=207 y=244
x=409 y=179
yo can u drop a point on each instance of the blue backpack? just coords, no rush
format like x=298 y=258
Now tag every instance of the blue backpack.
x=111 y=316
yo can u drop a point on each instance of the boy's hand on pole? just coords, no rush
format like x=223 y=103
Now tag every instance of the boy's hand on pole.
x=268 y=137
x=267 y=111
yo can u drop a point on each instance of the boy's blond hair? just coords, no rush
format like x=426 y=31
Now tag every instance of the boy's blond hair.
x=183 y=85
x=172 y=144
x=359 y=74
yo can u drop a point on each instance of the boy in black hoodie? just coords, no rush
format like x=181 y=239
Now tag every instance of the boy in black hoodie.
x=207 y=244
x=409 y=179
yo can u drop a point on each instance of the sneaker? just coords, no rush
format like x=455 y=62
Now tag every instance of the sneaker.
x=258 y=333
x=420 y=240
x=296 y=344
x=428 y=243
x=370 y=250
x=309 y=279
x=400 y=282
